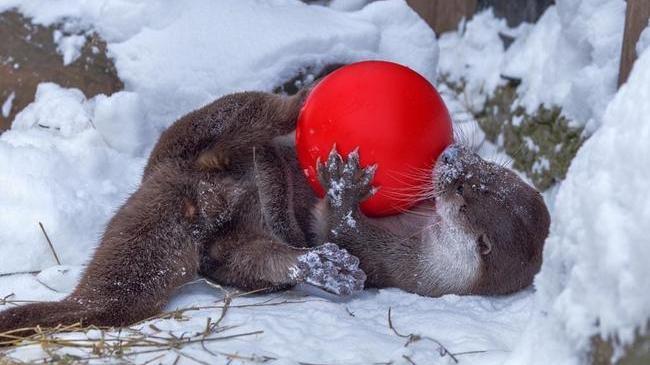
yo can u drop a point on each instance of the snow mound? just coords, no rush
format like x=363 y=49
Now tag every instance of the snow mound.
x=569 y=58
x=594 y=277
x=177 y=56
x=59 y=170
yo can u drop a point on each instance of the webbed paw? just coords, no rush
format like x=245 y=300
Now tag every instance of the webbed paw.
x=346 y=183
x=332 y=269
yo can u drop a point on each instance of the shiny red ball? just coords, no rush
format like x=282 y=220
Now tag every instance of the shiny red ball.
x=393 y=114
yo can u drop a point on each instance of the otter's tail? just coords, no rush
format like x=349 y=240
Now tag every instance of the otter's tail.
x=19 y=322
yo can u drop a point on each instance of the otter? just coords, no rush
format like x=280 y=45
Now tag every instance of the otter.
x=191 y=216
x=223 y=196
x=478 y=229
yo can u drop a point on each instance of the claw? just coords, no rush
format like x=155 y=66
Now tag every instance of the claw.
x=373 y=190
x=368 y=174
x=322 y=174
x=334 y=160
x=353 y=158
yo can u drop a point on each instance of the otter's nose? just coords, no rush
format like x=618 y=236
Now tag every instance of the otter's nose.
x=450 y=154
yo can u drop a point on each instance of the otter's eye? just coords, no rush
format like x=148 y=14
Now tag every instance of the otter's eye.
x=484 y=246
x=460 y=190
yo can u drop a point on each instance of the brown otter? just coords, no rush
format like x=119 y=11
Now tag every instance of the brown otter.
x=222 y=197
x=191 y=216
x=479 y=229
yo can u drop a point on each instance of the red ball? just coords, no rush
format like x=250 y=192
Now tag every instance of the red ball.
x=396 y=118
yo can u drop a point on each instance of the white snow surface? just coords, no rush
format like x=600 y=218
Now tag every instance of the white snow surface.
x=177 y=56
x=569 y=58
x=594 y=277
x=7 y=104
x=69 y=46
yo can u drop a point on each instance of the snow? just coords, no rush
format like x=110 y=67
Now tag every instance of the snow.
x=307 y=329
x=178 y=57
x=475 y=54
x=6 y=106
x=57 y=169
x=594 y=277
x=330 y=268
x=68 y=46
x=569 y=58
x=69 y=161
x=644 y=41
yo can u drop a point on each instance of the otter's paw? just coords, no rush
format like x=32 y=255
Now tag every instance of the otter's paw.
x=346 y=182
x=332 y=269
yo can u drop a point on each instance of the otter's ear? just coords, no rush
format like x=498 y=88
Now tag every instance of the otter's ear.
x=484 y=245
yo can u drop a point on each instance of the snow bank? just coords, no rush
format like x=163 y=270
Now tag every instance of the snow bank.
x=69 y=162
x=58 y=169
x=475 y=54
x=569 y=58
x=178 y=56
x=594 y=280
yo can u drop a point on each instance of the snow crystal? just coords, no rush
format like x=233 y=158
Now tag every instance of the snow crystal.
x=6 y=106
x=350 y=221
x=68 y=46
x=594 y=277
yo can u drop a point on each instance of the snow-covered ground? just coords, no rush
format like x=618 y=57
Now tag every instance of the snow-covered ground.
x=68 y=162
x=569 y=58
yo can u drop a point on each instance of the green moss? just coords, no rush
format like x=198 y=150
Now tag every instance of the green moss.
x=637 y=353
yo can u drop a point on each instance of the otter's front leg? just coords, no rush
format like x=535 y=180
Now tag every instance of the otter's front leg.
x=275 y=192
x=340 y=220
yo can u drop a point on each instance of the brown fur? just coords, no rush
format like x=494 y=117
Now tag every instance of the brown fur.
x=186 y=208
x=220 y=197
x=483 y=235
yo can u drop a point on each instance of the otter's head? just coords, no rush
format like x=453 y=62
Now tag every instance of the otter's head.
x=506 y=218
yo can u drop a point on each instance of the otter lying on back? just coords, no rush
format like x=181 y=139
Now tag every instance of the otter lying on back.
x=480 y=229
x=189 y=217
x=220 y=197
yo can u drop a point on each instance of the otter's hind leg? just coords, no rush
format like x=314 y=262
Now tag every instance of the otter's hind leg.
x=148 y=250
x=259 y=262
